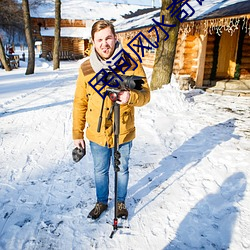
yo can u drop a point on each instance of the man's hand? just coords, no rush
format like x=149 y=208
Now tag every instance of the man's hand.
x=79 y=151
x=79 y=143
x=123 y=97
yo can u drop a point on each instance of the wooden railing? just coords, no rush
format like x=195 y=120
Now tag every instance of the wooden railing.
x=64 y=55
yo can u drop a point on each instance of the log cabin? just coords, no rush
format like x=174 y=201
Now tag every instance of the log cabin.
x=77 y=17
x=74 y=37
x=213 y=45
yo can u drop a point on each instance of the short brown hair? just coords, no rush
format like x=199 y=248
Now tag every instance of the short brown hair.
x=100 y=25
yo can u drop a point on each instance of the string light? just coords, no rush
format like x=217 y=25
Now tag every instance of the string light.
x=218 y=25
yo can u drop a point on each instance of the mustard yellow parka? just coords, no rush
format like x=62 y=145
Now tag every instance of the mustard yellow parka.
x=87 y=106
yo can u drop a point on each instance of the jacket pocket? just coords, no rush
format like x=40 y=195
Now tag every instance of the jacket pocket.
x=126 y=120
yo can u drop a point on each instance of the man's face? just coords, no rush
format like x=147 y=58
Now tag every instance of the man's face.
x=104 y=42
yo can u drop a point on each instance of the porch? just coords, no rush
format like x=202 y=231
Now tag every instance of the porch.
x=231 y=87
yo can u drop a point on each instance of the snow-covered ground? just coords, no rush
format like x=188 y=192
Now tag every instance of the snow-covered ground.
x=189 y=170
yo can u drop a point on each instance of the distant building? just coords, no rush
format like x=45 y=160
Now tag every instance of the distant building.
x=77 y=18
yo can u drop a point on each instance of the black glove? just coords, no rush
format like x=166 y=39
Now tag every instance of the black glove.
x=78 y=153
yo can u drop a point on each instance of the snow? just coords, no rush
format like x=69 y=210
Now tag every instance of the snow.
x=200 y=12
x=86 y=10
x=210 y=6
x=137 y=22
x=189 y=169
x=156 y=3
x=81 y=32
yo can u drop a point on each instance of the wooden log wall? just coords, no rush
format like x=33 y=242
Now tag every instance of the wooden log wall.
x=245 y=61
x=66 y=44
x=47 y=45
x=50 y=22
x=209 y=56
x=79 y=46
x=149 y=56
x=148 y=60
x=187 y=50
x=178 y=61
x=73 y=45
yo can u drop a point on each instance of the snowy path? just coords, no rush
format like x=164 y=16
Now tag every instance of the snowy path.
x=189 y=171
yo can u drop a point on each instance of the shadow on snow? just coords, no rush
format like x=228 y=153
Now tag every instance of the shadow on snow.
x=209 y=225
x=23 y=110
x=190 y=153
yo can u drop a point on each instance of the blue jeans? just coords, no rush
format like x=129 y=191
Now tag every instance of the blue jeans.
x=102 y=158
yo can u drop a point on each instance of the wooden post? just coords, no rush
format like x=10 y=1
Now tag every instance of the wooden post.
x=201 y=60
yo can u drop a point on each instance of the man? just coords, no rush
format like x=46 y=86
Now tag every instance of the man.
x=87 y=106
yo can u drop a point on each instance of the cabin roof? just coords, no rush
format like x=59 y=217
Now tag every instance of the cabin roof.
x=137 y=22
x=209 y=10
x=236 y=9
x=85 y=10
x=77 y=32
x=219 y=8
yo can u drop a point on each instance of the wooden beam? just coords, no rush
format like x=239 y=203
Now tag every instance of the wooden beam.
x=201 y=60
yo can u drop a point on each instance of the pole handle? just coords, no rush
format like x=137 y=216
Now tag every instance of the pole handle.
x=99 y=124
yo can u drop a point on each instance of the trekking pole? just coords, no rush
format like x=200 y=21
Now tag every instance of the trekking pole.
x=117 y=156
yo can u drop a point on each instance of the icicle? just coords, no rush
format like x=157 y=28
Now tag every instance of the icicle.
x=244 y=20
x=218 y=25
x=210 y=26
x=248 y=28
x=246 y=25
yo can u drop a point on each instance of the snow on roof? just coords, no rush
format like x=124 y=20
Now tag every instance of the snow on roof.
x=209 y=9
x=85 y=10
x=79 y=32
x=137 y=22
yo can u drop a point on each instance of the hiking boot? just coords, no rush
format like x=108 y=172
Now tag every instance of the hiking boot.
x=97 y=210
x=122 y=211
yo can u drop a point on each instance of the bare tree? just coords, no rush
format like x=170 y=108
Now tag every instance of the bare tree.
x=165 y=53
x=3 y=57
x=56 y=59
x=11 y=16
x=28 y=33
x=36 y=3
x=11 y=24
